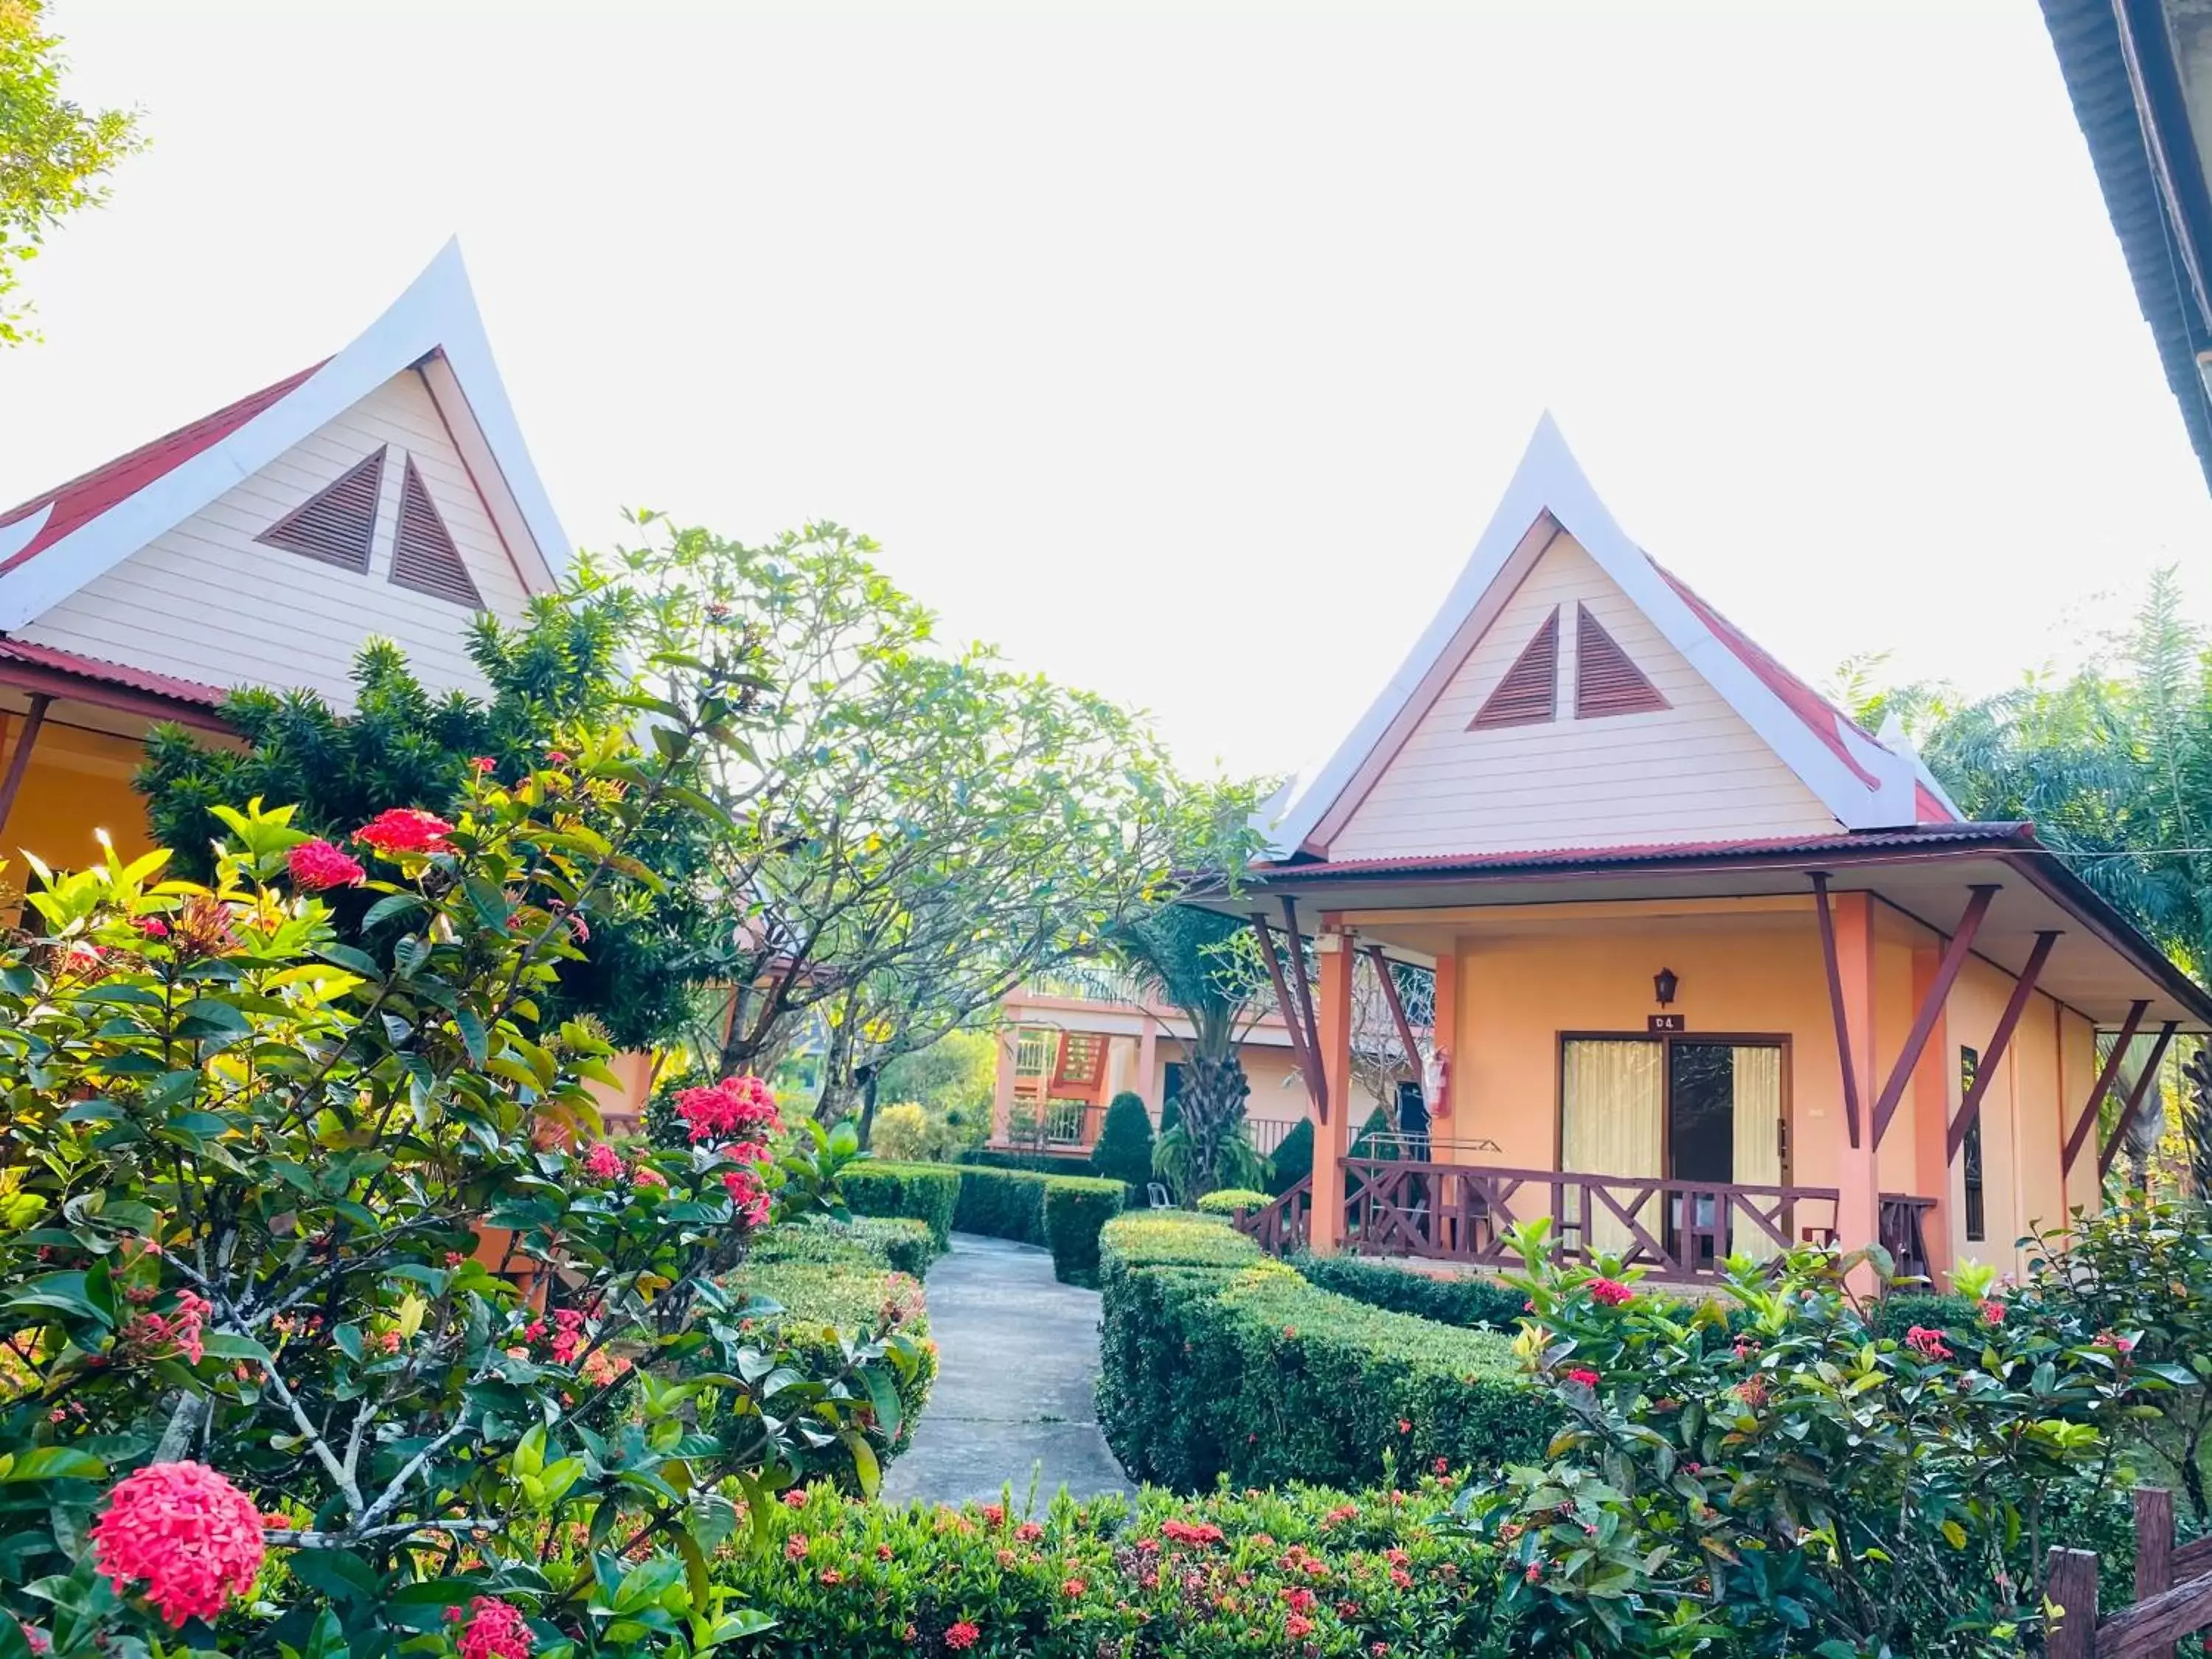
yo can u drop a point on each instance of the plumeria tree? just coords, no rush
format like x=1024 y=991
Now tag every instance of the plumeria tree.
x=326 y=1319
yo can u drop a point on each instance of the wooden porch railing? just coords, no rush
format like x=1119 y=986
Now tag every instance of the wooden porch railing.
x=1680 y=1229
x=2173 y=1592
x=1283 y=1225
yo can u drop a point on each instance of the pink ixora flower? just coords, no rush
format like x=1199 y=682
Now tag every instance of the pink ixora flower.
x=494 y=1630
x=746 y=1192
x=603 y=1162
x=483 y=764
x=736 y=1108
x=399 y=830
x=1993 y=1312
x=317 y=866
x=1928 y=1344
x=645 y=1176
x=963 y=1636
x=1586 y=1376
x=1610 y=1291
x=183 y=1532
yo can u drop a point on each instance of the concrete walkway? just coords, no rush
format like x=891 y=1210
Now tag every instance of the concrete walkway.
x=1018 y=1360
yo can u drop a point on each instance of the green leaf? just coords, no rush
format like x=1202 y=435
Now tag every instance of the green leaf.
x=473 y=1035
x=348 y=1337
x=391 y=905
x=52 y=1464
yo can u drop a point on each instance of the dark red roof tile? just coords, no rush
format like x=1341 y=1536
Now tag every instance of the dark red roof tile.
x=111 y=673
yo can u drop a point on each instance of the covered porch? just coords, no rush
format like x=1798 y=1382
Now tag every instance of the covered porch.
x=1930 y=1038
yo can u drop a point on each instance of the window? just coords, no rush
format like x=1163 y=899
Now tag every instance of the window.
x=1970 y=1151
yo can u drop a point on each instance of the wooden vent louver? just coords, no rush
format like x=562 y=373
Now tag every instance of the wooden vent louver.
x=336 y=524
x=1529 y=692
x=423 y=556
x=1606 y=682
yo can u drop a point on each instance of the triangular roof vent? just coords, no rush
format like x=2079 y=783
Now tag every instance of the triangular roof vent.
x=1528 y=694
x=1606 y=682
x=423 y=556
x=337 y=523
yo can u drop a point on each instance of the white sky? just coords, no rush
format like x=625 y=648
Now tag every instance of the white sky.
x=1183 y=350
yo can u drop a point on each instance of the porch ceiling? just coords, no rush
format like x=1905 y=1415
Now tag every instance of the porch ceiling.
x=2100 y=966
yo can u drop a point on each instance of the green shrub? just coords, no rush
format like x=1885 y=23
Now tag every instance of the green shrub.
x=1900 y=1311
x=1001 y=1204
x=1232 y=1201
x=1124 y=1152
x=887 y=1243
x=1075 y=1208
x=1293 y=1160
x=923 y=1192
x=1214 y=1362
x=822 y=1300
x=1377 y=1572
x=1469 y=1301
x=997 y=1158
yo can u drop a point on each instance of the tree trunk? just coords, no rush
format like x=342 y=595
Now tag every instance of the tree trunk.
x=836 y=1095
x=1214 y=1090
x=866 y=1076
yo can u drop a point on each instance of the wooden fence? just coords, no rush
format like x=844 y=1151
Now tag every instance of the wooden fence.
x=2173 y=1592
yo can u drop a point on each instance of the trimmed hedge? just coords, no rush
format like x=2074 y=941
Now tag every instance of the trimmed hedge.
x=922 y=1192
x=1076 y=1207
x=991 y=1158
x=887 y=1244
x=1001 y=1204
x=1124 y=1152
x=1470 y=1301
x=975 y=1198
x=1232 y=1201
x=820 y=1299
x=1293 y=1160
x=1214 y=1361
x=1378 y=1572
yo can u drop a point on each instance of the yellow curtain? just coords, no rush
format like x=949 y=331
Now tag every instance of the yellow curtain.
x=1614 y=1124
x=1758 y=1110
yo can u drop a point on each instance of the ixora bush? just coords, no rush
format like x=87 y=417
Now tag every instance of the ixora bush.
x=1806 y=1483
x=308 y=1253
x=1214 y=1362
x=1301 y=1570
x=1232 y=1201
x=1076 y=1209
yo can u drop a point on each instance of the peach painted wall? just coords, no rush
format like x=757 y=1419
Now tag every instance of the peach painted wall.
x=78 y=780
x=1764 y=975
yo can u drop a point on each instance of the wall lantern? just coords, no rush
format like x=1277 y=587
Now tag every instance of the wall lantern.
x=1662 y=985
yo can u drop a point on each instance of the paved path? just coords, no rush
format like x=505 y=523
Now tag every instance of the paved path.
x=1017 y=1358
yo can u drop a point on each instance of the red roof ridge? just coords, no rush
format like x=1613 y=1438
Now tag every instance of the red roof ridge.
x=85 y=498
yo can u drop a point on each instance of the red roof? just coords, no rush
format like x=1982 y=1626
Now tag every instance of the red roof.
x=84 y=498
x=111 y=673
x=1949 y=834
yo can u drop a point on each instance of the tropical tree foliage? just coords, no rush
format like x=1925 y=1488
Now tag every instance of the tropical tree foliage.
x=54 y=154
x=402 y=745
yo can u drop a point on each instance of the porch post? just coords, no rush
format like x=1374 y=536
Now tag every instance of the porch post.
x=1148 y=1068
x=1858 y=1184
x=1332 y=1134
x=1931 y=1116
x=1002 y=1083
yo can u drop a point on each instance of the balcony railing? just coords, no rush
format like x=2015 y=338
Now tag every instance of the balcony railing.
x=1677 y=1230
x=1283 y=1226
x=1053 y=1125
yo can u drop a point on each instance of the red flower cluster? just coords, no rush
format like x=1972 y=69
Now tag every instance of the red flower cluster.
x=963 y=1636
x=603 y=1162
x=399 y=829
x=1993 y=1312
x=1610 y=1291
x=187 y=1534
x=317 y=866
x=736 y=1108
x=152 y=1336
x=494 y=1630
x=1928 y=1344
x=1200 y=1533
x=1586 y=1376
x=746 y=1192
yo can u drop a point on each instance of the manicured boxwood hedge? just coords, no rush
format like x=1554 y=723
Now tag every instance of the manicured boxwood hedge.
x=922 y=1192
x=1470 y=1301
x=1076 y=1207
x=1232 y=1201
x=1215 y=1361
x=1001 y=1204
x=894 y=1243
x=975 y=1198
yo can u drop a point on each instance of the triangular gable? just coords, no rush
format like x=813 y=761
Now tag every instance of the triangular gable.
x=54 y=544
x=1862 y=784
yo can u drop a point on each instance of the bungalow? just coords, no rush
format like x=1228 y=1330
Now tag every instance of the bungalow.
x=1716 y=971
x=385 y=491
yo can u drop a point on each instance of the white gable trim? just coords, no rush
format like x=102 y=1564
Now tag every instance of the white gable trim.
x=1549 y=480
x=436 y=314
